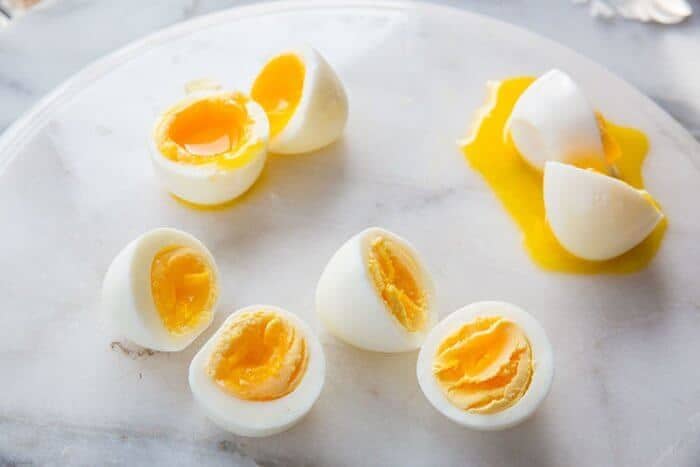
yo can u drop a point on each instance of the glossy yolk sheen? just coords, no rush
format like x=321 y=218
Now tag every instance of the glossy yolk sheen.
x=392 y=271
x=213 y=129
x=183 y=288
x=278 y=89
x=260 y=356
x=519 y=186
x=484 y=367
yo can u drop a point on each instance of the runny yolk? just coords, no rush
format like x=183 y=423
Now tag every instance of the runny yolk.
x=183 y=288
x=485 y=366
x=278 y=89
x=518 y=186
x=393 y=273
x=260 y=356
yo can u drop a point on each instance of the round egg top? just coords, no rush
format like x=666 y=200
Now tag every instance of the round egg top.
x=161 y=290
x=260 y=373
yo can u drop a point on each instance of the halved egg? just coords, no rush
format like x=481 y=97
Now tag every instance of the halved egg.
x=553 y=121
x=594 y=216
x=304 y=100
x=260 y=373
x=210 y=147
x=376 y=294
x=161 y=290
x=487 y=366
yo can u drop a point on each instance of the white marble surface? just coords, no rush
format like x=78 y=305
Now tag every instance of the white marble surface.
x=78 y=186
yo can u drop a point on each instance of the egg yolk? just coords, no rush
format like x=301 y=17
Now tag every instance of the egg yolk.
x=392 y=271
x=518 y=186
x=484 y=367
x=278 y=89
x=260 y=356
x=212 y=129
x=183 y=288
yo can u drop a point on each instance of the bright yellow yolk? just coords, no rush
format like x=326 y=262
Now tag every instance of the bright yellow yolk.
x=392 y=271
x=183 y=288
x=213 y=129
x=486 y=366
x=261 y=356
x=278 y=89
x=519 y=186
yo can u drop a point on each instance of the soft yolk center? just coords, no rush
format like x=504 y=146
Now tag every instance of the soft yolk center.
x=183 y=288
x=392 y=271
x=260 y=356
x=485 y=366
x=278 y=89
x=518 y=186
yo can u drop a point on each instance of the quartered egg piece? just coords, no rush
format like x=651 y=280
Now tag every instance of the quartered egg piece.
x=161 y=290
x=594 y=216
x=553 y=121
x=260 y=373
x=210 y=147
x=487 y=366
x=376 y=294
x=304 y=99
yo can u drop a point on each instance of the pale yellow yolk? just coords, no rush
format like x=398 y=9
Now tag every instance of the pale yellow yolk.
x=278 y=89
x=260 y=356
x=183 y=288
x=518 y=186
x=393 y=272
x=486 y=366
x=213 y=129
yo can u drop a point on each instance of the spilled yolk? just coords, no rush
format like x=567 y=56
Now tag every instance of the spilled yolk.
x=484 y=367
x=211 y=129
x=392 y=271
x=260 y=356
x=278 y=89
x=518 y=186
x=182 y=287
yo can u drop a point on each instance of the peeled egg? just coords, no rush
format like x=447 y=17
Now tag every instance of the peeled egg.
x=260 y=373
x=161 y=290
x=594 y=216
x=210 y=147
x=304 y=99
x=487 y=366
x=375 y=293
x=553 y=121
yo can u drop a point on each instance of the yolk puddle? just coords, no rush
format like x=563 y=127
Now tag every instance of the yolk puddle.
x=518 y=186
x=182 y=287
x=485 y=366
x=392 y=272
x=278 y=89
x=260 y=356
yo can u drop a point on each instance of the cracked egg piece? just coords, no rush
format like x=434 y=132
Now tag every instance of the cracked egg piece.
x=210 y=147
x=161 y=290
x=304 y=99
x=375 y=293
x=487 y=366
x=260 y=373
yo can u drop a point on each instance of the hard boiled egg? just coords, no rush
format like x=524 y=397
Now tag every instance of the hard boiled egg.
x=304 y=100
x=260 y=373
x=210 y=147
x=375 y=293
x=161 y=290
x=594 y=216
x=553 y=121
x=486 y=366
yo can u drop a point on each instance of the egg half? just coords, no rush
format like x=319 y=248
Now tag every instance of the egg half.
x=260 y=373
x=487 y=366
x=210 y=147
x=375 y=293
x=161 y=290
x=304 y=99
